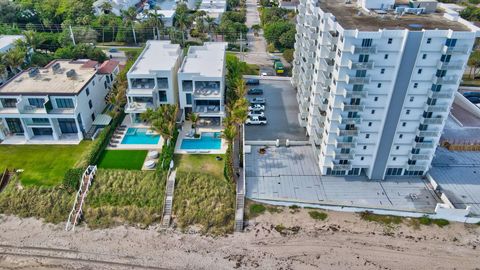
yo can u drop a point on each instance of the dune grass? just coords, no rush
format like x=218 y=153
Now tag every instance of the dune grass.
x=43 y=165
x=122 y=159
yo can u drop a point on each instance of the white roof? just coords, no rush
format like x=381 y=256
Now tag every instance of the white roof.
x=207 y=60
x=7 y=40
x=158 y=55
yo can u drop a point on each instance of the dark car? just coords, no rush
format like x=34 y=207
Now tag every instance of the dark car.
x=258 y=100
x=113 y=50
x=252 y=81
x=255 y=91
x=474 y=100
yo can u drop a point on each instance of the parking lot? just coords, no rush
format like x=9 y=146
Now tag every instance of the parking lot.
x=281 y=110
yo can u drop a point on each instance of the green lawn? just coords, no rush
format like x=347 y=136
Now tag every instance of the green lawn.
x=206 y=164
x=43 y=165
x=122 y=159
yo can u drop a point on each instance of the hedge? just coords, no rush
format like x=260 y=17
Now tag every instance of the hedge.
x=166 y=156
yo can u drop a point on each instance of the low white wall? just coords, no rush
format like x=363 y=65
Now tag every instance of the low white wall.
x=463 y=102
x=273 y=78
x=296 y=143
x=266 y=143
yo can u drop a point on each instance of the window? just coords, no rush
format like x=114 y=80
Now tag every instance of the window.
x=367 y=136
x=390 y=41
x=105 y=84
x=407 y=112
x=411 y=99
x=397 y=147
x=375 y=99
x=36 y=102
x=424 y=56
x=429 y=40
x=382 y=71
x=373 y=111
x=363 y=58
x=451 y=42
x=188 y=98
x=64 y=103
x=379 y=85
x=88 y=91
x=419 y=71
x=386 y=56
x=415 y=85
x=362 y=158
x=404 y=124
x=369 y=124
x=364 y=147
x=162 y=96
x=93 y=117
x=9 y=102
x=107 y=79
x=67 y=125
x=90 y=105
x=400 y=136
x=367 y=42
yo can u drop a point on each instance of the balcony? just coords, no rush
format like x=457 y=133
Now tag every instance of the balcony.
x=436 y=108
x=37 y=122
x=138 y=107
x=356 y=94
x=327 y=65
x=424 y=145
x=341 y=167
x=323 y=80
x=455 y=50
x=419 y=156
x=447 y=93
x=341 y=144
x=312 y=21
x=145 y=83
x=347 y=132
x=432 y=121
x=357 y=80
x=351 y=121
x=418 y=167
x=352 y=108
x=450 y=65
x=328 y=54
x=360 y=65
x=363 y=50
x=428 y=133
x=322 y=107
x=445 y=80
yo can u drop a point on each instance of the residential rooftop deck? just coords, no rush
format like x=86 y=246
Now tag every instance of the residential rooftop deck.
x=158 y=55
x=352 y=17
x=207 y=60
x=47 y=81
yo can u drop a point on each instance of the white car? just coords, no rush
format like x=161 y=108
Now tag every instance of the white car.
x=256 y=113
x=263 y=74
x=256 y=120
x=256 y=107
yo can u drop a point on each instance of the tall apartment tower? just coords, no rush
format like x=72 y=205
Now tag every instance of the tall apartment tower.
x=375 y=82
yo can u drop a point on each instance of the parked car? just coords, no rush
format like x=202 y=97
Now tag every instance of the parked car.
x=256 y=120
x=113 y=50
x=255 y=91
x=256 y=107
x=474 y=100
x=263 y=74
x=252 y=81
x=256 y=113
x=258 y=100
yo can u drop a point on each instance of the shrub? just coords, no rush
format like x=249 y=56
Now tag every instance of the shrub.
x=257 y=209
x=71 y=180
x=288 y=55
x=441 y=222
x=385 y=219
x=166 y=156
x=318 y=215
x=425 y=220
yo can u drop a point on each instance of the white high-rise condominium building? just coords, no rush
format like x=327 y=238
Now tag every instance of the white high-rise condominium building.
x=375 y=82
x=152 y=79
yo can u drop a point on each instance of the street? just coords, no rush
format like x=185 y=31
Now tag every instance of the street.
x=257 y=46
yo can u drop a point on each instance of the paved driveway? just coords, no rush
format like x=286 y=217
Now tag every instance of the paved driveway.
x=281 y=112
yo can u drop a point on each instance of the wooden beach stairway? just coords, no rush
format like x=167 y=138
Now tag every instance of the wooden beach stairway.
x=168 y=203
x=76 y=213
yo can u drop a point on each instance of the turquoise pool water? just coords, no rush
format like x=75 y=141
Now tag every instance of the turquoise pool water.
x=139 y=136
x=207 y=141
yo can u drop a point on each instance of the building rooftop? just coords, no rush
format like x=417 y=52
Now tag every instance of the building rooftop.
x=157 y=56
x=350 y=16
x=108 y=67
x=56 y=78
x=7 y=40
x=207 y=60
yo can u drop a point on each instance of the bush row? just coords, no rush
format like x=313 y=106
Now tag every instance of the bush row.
x=166 y=156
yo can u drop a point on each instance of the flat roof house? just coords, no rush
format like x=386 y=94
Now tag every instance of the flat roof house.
x=152 y=79
x=54 y=104
x=201 y=82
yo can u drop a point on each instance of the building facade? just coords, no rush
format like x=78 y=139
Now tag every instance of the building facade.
x=375 y=87
x=152 y=79
x=201 y=82
x=54 y=103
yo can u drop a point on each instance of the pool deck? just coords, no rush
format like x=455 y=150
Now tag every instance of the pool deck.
x=186 y=128
x=126 y=122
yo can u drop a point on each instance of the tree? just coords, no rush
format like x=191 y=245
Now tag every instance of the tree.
x=211 y=24
x=106 y=7
x=14 y=59
x=474 y=63
x=162 y=120
x=288 y=55
x=256 y=29
x=154 y=19
x=273 y=32
x=182 y=19
x=32 y=40
x=117 y=97
x=194 y=118
x=129 y=17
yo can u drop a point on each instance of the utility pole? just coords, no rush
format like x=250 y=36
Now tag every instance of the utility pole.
x=71 y=35
x=241 y=45
x=134 y=36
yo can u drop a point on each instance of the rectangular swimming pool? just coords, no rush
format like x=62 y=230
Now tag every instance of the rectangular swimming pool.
x=140 y=136
x=207 y=141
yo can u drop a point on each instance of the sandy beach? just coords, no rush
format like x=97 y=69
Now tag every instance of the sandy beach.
x=343 y=241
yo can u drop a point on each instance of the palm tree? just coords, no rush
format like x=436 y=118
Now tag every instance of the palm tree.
x=182 y=21
x=256 y=29
x=117 y=97
x=162 y=120
x=155 y=20
x=14 y=59
x=194 y=117
x=129 y=17
x=32 y=40
x=106 y=7
x=211 y=24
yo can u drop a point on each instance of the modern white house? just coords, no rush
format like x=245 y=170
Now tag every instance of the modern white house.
x=152 y=79
x=59 y=102
x=375 y=81
x=201 y=82
x=117 y=6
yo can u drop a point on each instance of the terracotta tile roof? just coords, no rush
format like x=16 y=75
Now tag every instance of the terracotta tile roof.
x=108 y=67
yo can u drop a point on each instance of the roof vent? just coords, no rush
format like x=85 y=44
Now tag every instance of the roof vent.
x=33 y=72
x=56 y=67
x=71 y=73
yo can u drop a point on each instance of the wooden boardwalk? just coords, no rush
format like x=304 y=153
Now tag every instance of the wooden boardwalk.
x=168 y=204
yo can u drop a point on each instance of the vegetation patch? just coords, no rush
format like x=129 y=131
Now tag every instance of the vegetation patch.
x=207 y=164
x=42 y=165
x=384 y=219
x=284 y=231
x=318 y=215
x=256 y=210
x=125 y=197
x=202 y=199
x=122 y=159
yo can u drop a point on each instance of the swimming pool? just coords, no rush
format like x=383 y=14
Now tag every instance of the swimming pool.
x=140 y=136
x=207 y=141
